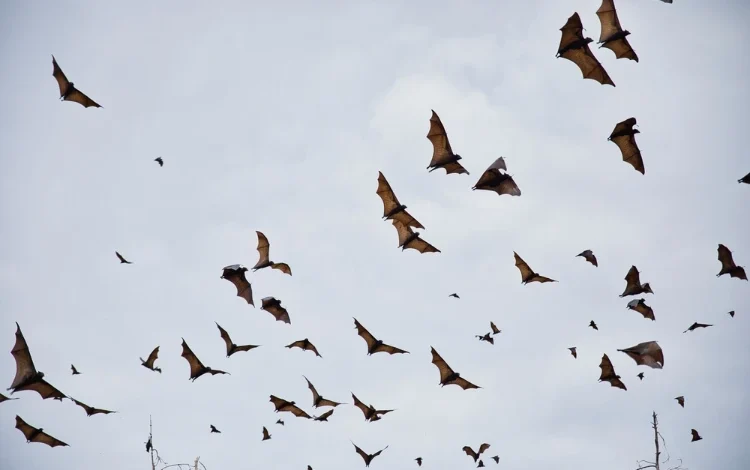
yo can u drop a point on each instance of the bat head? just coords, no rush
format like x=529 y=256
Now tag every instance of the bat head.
x=588 y=40
x=647 y=288
x=208 y=369
x=636 y=131
x=40 y=375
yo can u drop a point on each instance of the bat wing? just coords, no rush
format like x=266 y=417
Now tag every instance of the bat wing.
x=470 y=452
x=297 y=344
x=283 y=267
x=361 y=452
x=225 y=337
x=279 y=313
x=404 y=231
x=608 y=18
x=24 y=364
x=441 y=147
x=312 y=389
x=725 y=256
x=362 y=331
x=311 y=347
x=387 y=348
x=483 y=447
x=696 y=436
x=297 y=411
x=278 y=403
x=615 y=382
x=90 y=410
x=266 y=436
x=495 y=329
x=379 y=452
x=390 y=201
x=421 y=246
x=633 y=279
x=196 y=366
x=78 y=96
x=326 y=402
x=572 y=32
x=152 y=358
x=244 y=289
x=62 y=80
x=45 y=438
x=508 y=186
x=263 y=248
x=607 y=368
x=465 y=384
x=358 y=403
x=622 y=49
x=325 y=415
x=443 y=367
x=630 y=151
x=407 y=219
x=454 y=167
x=43 y=388
x=542 y=279
x=590 y=67
x=526 y=272
x=32 y=435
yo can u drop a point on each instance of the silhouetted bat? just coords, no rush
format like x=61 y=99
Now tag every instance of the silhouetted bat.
x=613 y=37
x=727 y=264
x=36 y=434
x=74 y=370
x=264 y=261
x=159 y=160
x=368 y=457
x=696 y=325
x=90 y=410
x=375 y=345
x=231 y=347
x=196 y=366
x=481 y=464
x=475 y=455
x=608 y=374
x=149 y=363
x=667 y=1
x=324 y=416
x=442 y=154
x=745 y=179
x=646 y=354
x=289 y=406
x=392 y=208
x=639 y=305
x=68 y=91
x=214 y=430
x=623 y=136
x=575 y=48
x=498 y=181
x=318 y=400
x=593 y=325
x=122 y=260
x=495 y=329
x=149 y=446
x=496 y=459
x=681 y=401
x=305 y=345
x=370 y=412
x=588 y=255
x=527 y=274
x=573 y=352
x=447 y=375
x=4 y=398
x=486 y=338
x=419 y=461
x=278 y=421
x=696 y=436
x=731 y=314
x=236 y=275
x=27 y=377
x=454 y=295
x=407 y=238
x=640 y=375
x=266 y=436
x=273 y=306
x=634 y=286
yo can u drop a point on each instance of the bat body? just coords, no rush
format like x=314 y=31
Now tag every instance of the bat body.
x=487 y=337
x=90 y=410
x=696 y=436
x=728 y=266
x=266 y=435
x=495 y=329
x=367 y=457
x=634 y=286
x=68 y=91
x=575 y=48
x=447 y=375
x=588 y=255
x=149 y=363
x=318 y=400
x=278 y=421
x=264 y=261
x=375 y=345
x=407 y=238
x=681 y=401
x=159 y=160
x=640 y=375
x=592 y=324
x=289 y=406
x=731 y=314
x=608 y=374
x=27 y=377
x=646 y=354
x=613 y=37
x=573 y=352
x=496 y=459
x=623 y=135
x=197 y=368
x=122 y=259
x=33 y=434
x=697 y=325
x=419 y=461
x=235 y=274
x=73 y=370
x=392 y=208
x=442 y=153
x=371 y=413
x=495 y=179
x=305 y=345
x=214 y=430
x=324 y=416
x=481 y=464
x=475 y=455
x=454 y=295
x=231 y=347
x=745 y=179
x=639 y=305
x=527 y=274
x=273 y=306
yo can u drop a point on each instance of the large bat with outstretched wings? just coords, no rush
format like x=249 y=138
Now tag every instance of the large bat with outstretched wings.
x=197 y=368
x=407 y=238
x=608 y=374
x=648 y=353
x=728 y=266
x=575 y=48
x=527 y=274
x=392 y=208
x=623 y=135
x=235 y=274
x=289 y=406
x=447 y=375
x=264 y=261
x=27 y=377
x=375 y=345
x=442 y=153
x=68 y=91
x=33 y=434
x=612 y=36
x=231 y=347
x=318 y=400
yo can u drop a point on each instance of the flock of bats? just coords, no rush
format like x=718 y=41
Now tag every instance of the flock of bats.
x=574 y=47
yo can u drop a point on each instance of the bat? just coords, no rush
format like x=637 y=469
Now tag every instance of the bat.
x=149 y=446
x=731 y=314
x=37 y=434
x=27 y=377
x=696 y=325
x=486 y=338
x=266 y=436
x=68 y=91
x=122 y=260
x=681 y=401
x=273 y=306
x=527 y=274
x=90 y=410
x=196 y=366
x=696 y=436
x=447 y=375
x=667 y=1
x=231 y=347
x=498 y=181
x=289 y=406
x=575 y=48
x=4 y=398
x=613 y=37
x=593 y=325
x=639 y=305
x=149 y=363
x=442 y=153
x=481 y=464
x=728 y=266
x=634 y=286
x=646 y=354
x=375 y=345
x=419 y=461
x=392 y=208
x=496 y=459
x=588 y=255
x=264 y=261
x=475 y=455
x=367 y=457
x=74 y=370
x=324 y=416
x=318 y=400
x=159 y=160
x=573 y=352
x=640 y=375
x=454 y=295
x=495 y=329
x=278 y=421
x=370 y=412
x=214 y=430
x=305 y=345
x=608 y=374
x=236 y=275
x=407 y=238
x=745 y=179
x=623 y=135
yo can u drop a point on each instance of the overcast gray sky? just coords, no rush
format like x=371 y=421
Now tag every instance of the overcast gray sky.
x=278 y=117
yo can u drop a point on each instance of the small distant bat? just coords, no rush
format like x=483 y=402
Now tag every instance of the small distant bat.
x=266 y=436
x=419 y=461
x=4 y=398
x=231 y=347
x=149 y=446
x=442 y=153
x=407 y=238
x=493 y=179
x=487 y=337
x=475 y=455
x=305 y=345
x=122 y=260
x=575 y=48
x=273 y=306
x=667 y=1
x=593 y=325
x=640 y=375
x=639 y=305
x=731 y=314
x=696 y=325
x=454 y=295
x=368 y=457
x=318 y=400
x=197 y=368
x=447 y=375
x=289 y=406
x=634 y=286
x=608 y=374
x=264 y=261
x=481 y=464
x=728 y=266
x=159 y=160
x=588 y=255
x=527 y=274
x=27 y=377
x=236 y=275
x=696 y=436
x=370 y=412
x=68 y=91
x=149 y=363
x=496 y=459
x=646 y=354
x=613 y=37
x=375 y=345
x=74 y=371
x=495 y=329
x=392 y=208
x=681 y=401
x=90 y=410
x=324 y=416
x=745 y=179
x=623 y=136
x=278 y=421
x=214 y=430
x=573 y=352
x=36 y=434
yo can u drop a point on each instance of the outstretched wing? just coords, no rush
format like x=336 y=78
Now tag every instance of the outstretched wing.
x=278 y=403
x=572 y=31
x=41 y=437
x=297 y=344
x=495 y=329
x=404 y=231
x=508 y=186
x=24 y=364
x=237 y=277
x=283 y=267
x=441 y=147
x=311 y=347
x=607 y=368
x=296 y=411
x=630 y=151
x=633 y=280
x=79 y=97
x=454 y=167
x=324 y=416
x=463 y=383
x=90 y=410
x=362 y=331
x=608 y=18
x=263 y=247
x=391 y=202
x=483 y=447
x=590 y=67
x=361 y=452
x=225 y=337
x=470 y=452
x=387 y=348
x=358 y=403
x=62 y=80
x=379 y=452
x=196 y=366
x=542 y=279
x=443 y=367
x=152 y=358
x=725 y=256
x=43 y=388
x=523 y=267
x=421 y=246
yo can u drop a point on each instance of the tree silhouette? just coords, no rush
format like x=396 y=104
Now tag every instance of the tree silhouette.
x=657 y=463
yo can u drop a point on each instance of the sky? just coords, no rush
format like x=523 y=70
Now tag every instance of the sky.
x=277 y=117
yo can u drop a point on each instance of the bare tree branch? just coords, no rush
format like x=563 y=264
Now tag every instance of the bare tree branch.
x=656 y=464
